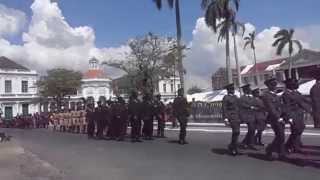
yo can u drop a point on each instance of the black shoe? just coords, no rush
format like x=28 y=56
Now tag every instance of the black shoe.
x=260 y=144
x=243 y=146
x=120 y=139
x=252 y=147
x=138 y=140
x=181 y=142
x=282 y=157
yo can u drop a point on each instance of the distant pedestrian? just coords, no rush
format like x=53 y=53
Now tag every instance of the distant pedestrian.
x=181 y=111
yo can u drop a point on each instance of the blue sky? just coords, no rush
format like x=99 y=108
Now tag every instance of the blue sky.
x=115 y=21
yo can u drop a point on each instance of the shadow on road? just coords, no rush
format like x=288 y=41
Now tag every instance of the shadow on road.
x=221 y=151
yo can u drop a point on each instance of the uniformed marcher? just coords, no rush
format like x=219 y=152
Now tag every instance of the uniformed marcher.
x=294 y=107
x=260 y=116
x=134 y=113
x=90 y=120
x=147 y=116
x=247 y=116
x=315 y=97
x=99 y=119
x=181 y=111
x=273 y=106
x=159 y=110
x=230 y=113
x=119 y=119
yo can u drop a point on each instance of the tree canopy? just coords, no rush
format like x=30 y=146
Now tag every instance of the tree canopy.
x=58 y=83
x=151 y=58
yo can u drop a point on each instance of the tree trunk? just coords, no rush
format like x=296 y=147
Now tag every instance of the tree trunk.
x=179 y=35
x=228 y=63
x=255 y=66
x=237 y=61
x=290 y=66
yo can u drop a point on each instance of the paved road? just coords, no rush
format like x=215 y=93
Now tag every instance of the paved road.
x=203 y=159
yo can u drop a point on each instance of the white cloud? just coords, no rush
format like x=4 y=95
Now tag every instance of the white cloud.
x=51 y=42
x=206 y=55
x=11 y=20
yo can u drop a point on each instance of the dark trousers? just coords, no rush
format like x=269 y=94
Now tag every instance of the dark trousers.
x=258 y=137
x=294 y=140
x=90 y=129
x=235 y=126
x=183 y=121
x=249 y=138
x=135 y=128
x=316 y=119
x=161 y=126
x=100 y=128
x=148 y=127
x=277 y=144
x=121 y=128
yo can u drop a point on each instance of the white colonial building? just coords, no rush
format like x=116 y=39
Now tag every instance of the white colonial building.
x=95 y=82
x=18 y=91
x=168 y=88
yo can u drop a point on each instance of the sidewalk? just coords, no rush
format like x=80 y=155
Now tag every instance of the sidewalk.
x=18 y=164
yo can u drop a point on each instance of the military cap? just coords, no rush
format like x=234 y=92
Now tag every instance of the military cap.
x=268 y=81
x=290 y=81
x=246 y=86
x=256 y=90
x=229 y=86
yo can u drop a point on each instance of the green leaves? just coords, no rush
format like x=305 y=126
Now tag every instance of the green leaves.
x=159 y=3
x=249 y=40
x=285 y=37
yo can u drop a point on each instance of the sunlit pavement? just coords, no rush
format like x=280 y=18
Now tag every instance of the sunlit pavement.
x=203 y=158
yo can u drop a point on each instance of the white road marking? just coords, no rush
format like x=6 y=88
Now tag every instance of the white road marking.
x=267 y=132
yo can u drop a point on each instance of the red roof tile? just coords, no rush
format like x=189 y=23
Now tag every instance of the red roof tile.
x=262 y=66
x=92 y=74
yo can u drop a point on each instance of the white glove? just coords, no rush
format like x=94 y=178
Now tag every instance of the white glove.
x=291 y=121
x=226 y=121
x=280 y=120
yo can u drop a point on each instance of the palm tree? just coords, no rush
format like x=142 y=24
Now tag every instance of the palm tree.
x=215 y=11
x=285 y=37
x=250 y=40
x=224 y=28
x=176 y=4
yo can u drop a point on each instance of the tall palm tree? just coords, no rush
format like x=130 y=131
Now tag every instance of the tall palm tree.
x=225 y=27
x=176 y=4
x=215 y=11
x=285 y=37
x=235 y=28
x=250 y=40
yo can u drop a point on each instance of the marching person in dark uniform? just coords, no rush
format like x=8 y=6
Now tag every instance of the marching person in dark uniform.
x=100 y=119
x=273 y=106
x=315 y=97
x=119 y=119
x=247 y=115
x=147 y=116
x=159 y=109
x=260 y=116
x=134 y=112
x=181 y=111
x=294 y=107
x=90 y=120
x=230 y=113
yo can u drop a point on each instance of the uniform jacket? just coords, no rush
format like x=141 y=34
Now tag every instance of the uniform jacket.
x=134 y=108
x=246 y=108
x=315 y=97
x=230 y=108
x=181 y=107
x=273 y=106
x=294 y=105
x=260 y=109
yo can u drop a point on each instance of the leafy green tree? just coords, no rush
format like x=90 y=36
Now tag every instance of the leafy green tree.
x=59 y=83
x=176 y=4
x=250 y=40
x=149 y=60
x=284 y=38
x=216 y=11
